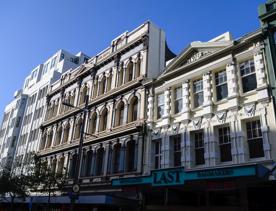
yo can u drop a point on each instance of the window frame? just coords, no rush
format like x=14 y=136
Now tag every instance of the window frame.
x=158 y=105
x=197 y=93
x=224 y=143
x=178 y=99
x=219 y=84
x=245 y=75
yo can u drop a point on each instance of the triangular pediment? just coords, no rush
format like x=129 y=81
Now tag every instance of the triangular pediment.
x=197 y=51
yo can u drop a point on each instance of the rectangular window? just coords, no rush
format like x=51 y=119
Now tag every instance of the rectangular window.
x=198 y=93
x=53 y=62
x=221 y=85
x=248 y=76
x=178 y=100
x=61 y=56
x=160 y=105
x=176 y=141
x=255 y=139
x=224 y=144
x=199 y=148
x=157 y=153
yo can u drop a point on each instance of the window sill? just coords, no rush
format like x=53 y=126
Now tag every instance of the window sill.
x=197 y=108
x=248 y=93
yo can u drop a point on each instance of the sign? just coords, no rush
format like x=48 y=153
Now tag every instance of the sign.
x=177 y=176
x=161 y=177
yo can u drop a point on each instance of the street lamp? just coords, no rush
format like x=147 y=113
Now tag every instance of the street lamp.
x=77 y=172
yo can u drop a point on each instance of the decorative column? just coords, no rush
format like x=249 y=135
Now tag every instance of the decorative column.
x=213 y=144
x=165 y=149
x=54 y=135
x=241 y=143
x=150 y=108
x=106 y=159
x=234 y=147
x=207 y=96
x=167 y=107
x=185 y=101
x=71 y=131
x=260 y=76
x=232 y=84
x=265 y=131
x=206 y=145
x=113 y=78
x=139 y=145
x=189 y=150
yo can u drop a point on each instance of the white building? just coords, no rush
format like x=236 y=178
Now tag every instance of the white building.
x=36 y=86
x=10 y=128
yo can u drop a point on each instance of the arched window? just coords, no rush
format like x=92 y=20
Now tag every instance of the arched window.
x=54 y=165
x=121 y=75
x=129 y=72
x=108 y=83
x=103 y=85
x=43 y=142
x=71 y=100
x=120 y=114
x=88 y=165
x=78 y=129
x=58 y=136
x=138 y=68
x=103 y=124
x=50 y=139
x=72 y=166
x=99 y=161
x=83 y=93
x=133 y=110
x=93 y=123
x=60 y=166
x=66 y=133
x=131 y=154
x=95 y=90
x=116 y=158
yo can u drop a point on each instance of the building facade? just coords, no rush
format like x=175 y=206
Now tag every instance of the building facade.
x=10 y=129
x=114 y=128
x=211 y=129
x=36 y=87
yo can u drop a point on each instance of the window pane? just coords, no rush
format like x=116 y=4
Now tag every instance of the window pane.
x=249 y=83
x=255 y=140
x=222 y=91
x=198 y=99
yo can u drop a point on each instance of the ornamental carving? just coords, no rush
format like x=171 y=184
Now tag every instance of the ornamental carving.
x=198 y=56
x=221 y=117
x=249 y=110
x=197 y=123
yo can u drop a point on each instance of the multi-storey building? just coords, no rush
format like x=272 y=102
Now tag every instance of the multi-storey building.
x=10 y=129
x=36 y=87
x=211 y=128
x=114 y=81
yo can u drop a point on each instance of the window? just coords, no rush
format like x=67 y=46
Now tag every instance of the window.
x=116 y=158
x=99 y=161
x=224 y=144
x=120 y=114
x=53 y=63
x=103 y=85
x=157 y=153
x=160 y=105
x=176 y=142
x=137 y=68
x=66 y=133
x=84 y=92
x=60 y=166
x=72 y=166
x=221 y=85
x=50 y=139
x=78 y=129
x=61 y=56
x=133 y=109
x=130 y=156
x=93 y=123
x=199 y=148
x=198 y=93
x=129 y=72
x=104 y=120
x=88 y=166
x=58 y=136
x=248 y=76
x=178 y=100
x=255 y=139
x=45 y=68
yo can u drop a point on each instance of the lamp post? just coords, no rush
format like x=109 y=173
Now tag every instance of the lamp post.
x=77 y=172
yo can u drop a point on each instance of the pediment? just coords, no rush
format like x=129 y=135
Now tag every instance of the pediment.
x=195 y=52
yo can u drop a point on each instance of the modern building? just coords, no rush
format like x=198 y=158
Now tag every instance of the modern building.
x=10 y=129
x=114 y=140
x=36 y=87
x=211 y=130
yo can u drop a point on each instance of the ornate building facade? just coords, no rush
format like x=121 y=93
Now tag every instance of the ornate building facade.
x=114 y=129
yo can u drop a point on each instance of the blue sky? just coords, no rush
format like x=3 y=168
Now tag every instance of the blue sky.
x=33 y=30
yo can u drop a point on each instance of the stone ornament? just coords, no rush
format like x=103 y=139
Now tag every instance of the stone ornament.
x=197 y=123
x=249 y=110
x=221 y=117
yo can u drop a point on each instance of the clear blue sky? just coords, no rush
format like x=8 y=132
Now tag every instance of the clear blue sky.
x=32 y=30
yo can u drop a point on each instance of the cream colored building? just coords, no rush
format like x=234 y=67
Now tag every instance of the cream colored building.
x=211 y=107
x=114 y=81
